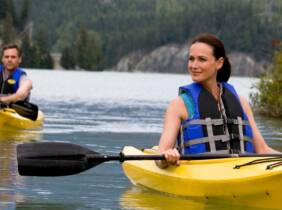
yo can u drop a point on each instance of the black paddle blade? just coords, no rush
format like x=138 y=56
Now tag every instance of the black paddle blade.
x=25 y=109
x=53 y=159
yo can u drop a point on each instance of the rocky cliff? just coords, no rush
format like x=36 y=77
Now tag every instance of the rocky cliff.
x=172 y=58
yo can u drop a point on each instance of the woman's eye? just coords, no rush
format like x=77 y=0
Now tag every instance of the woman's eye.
x=191 y=58
x=202 y=59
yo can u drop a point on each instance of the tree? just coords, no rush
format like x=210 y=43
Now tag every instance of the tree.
x=88 y=53
x=68 y=60
x=24 y=14
x=95 y=57
x=3 y=9
x=28 y=56
x=36 y=54
x=11 y=10
x=9 y=32
x=268 y=100
x=81 y=51
x=43 y=56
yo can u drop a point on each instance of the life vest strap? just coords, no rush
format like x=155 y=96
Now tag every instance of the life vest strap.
x=238 y=121
x=223 y=151
x=215 y=122
x=223 y=138
x=241 y=134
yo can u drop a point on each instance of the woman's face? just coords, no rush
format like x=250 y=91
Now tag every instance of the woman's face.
x=202 y=64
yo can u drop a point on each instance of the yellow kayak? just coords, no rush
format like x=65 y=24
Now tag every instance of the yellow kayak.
x=11 y=120
x=213 y=179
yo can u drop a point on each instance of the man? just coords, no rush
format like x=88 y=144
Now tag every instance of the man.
x=14 y=84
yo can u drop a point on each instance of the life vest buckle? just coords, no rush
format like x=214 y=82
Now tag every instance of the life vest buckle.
x=234 y=136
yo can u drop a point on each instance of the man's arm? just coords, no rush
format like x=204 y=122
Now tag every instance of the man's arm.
x=25 y=87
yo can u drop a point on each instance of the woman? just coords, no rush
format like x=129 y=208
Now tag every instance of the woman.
x=209 y=114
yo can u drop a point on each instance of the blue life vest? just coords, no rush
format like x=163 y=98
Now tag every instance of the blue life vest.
x=11 y=84
x=208 y=130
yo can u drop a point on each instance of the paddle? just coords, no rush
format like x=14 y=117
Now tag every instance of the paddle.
x=25 y=109
x=60 y=159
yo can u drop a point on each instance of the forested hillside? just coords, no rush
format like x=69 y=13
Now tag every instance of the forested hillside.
x=105 y=30
x=17 y=27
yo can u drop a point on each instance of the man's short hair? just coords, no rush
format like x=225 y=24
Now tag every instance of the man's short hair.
x=12 y=46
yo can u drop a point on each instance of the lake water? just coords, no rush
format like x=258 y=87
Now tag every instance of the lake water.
x=103 y=111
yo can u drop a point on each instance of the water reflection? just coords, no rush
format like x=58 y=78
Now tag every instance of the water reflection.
x=29 y=205
x=8 y=165
x=271 y=130
x=143 y=199
x=19 y=136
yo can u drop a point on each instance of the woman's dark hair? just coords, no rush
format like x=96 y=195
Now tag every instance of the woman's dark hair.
x=223 y=74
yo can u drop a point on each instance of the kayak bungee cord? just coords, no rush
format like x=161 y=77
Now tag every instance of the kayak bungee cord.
x=273 y=165
x=258 y=161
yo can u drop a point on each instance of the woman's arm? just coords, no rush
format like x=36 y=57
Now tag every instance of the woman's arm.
x=258 y=140
x=175 y=112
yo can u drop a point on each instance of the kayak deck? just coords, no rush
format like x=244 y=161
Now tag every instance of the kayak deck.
x=10 y=120
x=251 y=185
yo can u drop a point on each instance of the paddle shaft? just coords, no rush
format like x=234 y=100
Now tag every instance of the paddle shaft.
x=121 y=157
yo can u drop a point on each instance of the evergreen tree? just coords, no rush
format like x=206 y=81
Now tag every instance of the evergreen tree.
x=68 y=60
x=3 y=9
x=9 y=32
x=24 y=14
x=94 y=59
x=36 y=54
x=28 y=55
x=81 y=51
x=11 y=10
x=89 y=54
x=43 y=57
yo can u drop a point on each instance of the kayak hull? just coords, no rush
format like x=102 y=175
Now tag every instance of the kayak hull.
x=10 y=120
x=213 y=179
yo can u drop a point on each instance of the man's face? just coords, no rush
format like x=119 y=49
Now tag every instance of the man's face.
x=11 y=59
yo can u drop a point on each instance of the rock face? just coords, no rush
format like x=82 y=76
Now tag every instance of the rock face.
x=169 y=58
x=129 y=62
x=172 y=58
x=244 y=65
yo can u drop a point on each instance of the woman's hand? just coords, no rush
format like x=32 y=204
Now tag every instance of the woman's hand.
x=172 y=157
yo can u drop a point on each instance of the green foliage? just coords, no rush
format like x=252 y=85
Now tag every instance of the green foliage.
x=23 y=19
x=68 y=60
x=127 y=25
x=9 y=32
x=269 y=98
x=3 y=9
x=36 y=54
x=86 y=54
x=42 y=53
x=9 y=21
x=123 y=26
x=27 y=49
x=82 y=48
x=12 y=11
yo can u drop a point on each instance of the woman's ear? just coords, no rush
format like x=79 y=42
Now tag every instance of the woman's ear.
x=220 y=62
